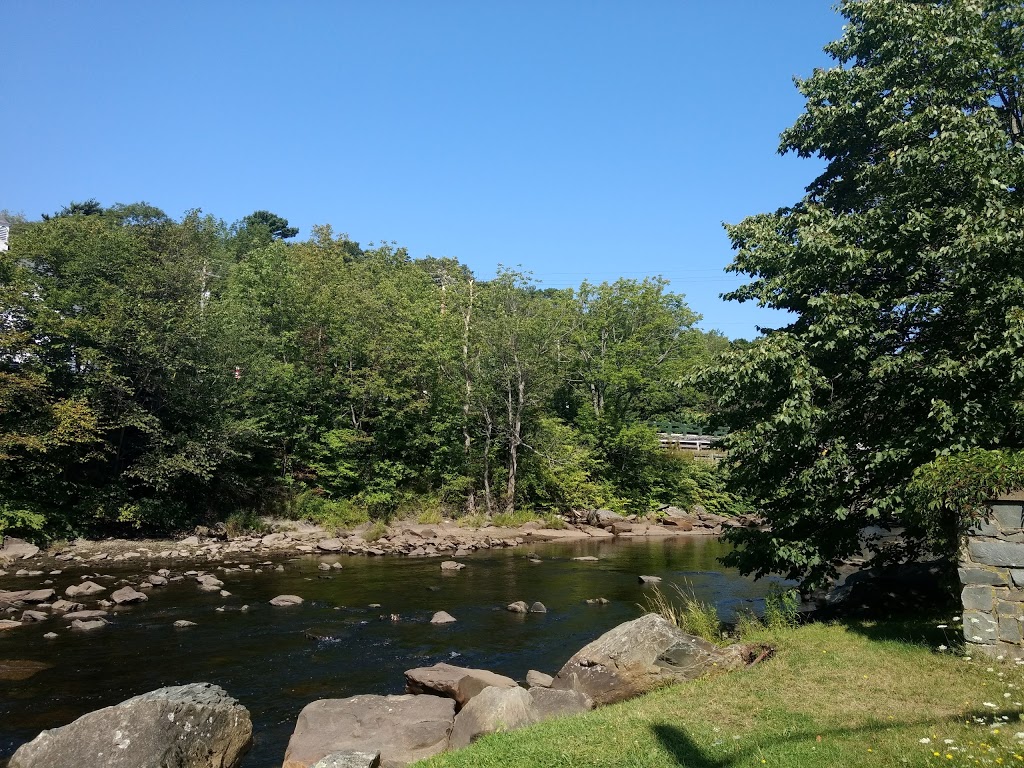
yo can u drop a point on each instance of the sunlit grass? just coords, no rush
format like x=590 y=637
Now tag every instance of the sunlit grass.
x=860 y=694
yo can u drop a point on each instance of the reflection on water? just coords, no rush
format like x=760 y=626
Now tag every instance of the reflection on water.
x=277 y=660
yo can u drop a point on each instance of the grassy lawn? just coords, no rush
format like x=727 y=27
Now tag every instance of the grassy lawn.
x=852 y=694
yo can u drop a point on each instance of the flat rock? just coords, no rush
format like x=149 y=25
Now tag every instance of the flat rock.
x=127 y=596
x=8 y=624
x=403 y=729
x=451 y=565
x=286 y=600
x=650 y=579
x=350 y=760
x=442 y=617
x=586 y=559
x=459 y=683
x=156 y=580
x=20 y=669
x=83 y=615
x=38 y=596
x=185 y=726
x=182 y=623
x=640 y=656
x=329 y=545
x=492 y=710
x=549 y=702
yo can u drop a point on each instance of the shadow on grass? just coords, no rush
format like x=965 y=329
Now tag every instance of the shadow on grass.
x=688 y=753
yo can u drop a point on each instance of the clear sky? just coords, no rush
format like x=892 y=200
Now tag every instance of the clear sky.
x=581 y=140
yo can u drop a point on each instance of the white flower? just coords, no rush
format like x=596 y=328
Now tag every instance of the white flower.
x=947 y=741
x=973 y=620
x=942 y=648
x=925 y=740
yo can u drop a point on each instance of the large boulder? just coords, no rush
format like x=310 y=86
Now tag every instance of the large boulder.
x=403 y=729
x=494 y=709
x=16 y=549
x=604 y=518
x=639 y=656
x=185 y=726
x=457 y=683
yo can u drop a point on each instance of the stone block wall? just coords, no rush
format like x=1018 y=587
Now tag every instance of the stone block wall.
x=992 y=574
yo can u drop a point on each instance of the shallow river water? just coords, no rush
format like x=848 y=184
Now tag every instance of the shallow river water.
x=267 y=658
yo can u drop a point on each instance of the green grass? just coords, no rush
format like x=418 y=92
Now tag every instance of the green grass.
x=859 y=694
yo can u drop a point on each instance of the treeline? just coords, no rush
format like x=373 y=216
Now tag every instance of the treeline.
x=157 y=373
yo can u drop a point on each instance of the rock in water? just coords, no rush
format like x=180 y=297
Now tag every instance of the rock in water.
x=494 y=709
x=286 y=600
x=650 y=579
x=85 y=588
x=639 y=656
x=185 y=726
x=442 y=617
x=519 y=606
x=127 y=595
x=457 y=683
x=402 y=728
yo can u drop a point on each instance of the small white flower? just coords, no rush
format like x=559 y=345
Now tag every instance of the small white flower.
x=941 y=626
x=925 y=740
x=947 y=741
x=1019 y=735
x=956 y=618
x=974 y=620
x=942 y=648
x=1006 y=695
x=988 y=704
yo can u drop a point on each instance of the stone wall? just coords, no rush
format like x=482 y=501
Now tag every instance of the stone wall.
x=992 y=572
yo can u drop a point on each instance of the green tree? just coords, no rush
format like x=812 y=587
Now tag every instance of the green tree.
x=903 y=272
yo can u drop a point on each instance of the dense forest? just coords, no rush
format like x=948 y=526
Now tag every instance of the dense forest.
x=156 y=373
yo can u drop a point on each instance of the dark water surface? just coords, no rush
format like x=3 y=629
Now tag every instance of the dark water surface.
x=266 y=660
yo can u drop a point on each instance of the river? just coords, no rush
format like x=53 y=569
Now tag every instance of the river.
x=266 y=657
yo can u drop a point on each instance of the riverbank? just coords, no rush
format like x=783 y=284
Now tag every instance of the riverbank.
x=408 y=538
x=884 y=694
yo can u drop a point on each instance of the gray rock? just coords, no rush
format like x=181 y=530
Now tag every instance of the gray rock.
x=519 y=606
x=538 y=607
x=549 y=703
x=999 y=553
x=186 y=726
x=286 y=600
x=209 y=583
x=451 y=565
x=1009 y=629
x=182 y=623
x=38 y=596
x=84 y=589
x=273 y=538
x=457 y=683
x=1009 y=517
x=492 y=710
x=85 y=615
x=650 y=579
x=189 y=541
x=979 y=627
x=157 y=581
x=89 y=624
x=50 y=635
x=127 y=596
x=978 y=598
x=67 y=606
x=639 y=656
x=442 y=617
x=8 y=624
x=537 y=679
x=402 y=728
x=586 y=559
x=16 y=549
x=350 y=760
x=329 y=545
x=34 y=616
x=979 y=575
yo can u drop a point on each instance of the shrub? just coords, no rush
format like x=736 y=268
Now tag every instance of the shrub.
x=378 y=530
x=243 y=522
x=781 y=608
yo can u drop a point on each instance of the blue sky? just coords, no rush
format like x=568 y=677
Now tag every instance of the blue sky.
x=581 y=140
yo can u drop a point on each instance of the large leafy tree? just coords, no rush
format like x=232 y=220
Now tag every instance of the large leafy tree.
x=903 y=269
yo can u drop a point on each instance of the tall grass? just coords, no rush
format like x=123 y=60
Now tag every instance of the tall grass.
x=692 y=615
